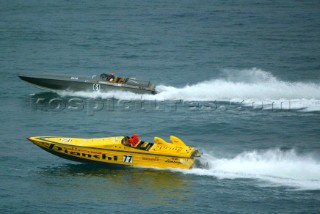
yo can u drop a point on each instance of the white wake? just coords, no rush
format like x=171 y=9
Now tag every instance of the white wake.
x=251 y=87
x=273 y=167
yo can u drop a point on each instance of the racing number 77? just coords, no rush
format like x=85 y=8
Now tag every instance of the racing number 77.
x=127 y=158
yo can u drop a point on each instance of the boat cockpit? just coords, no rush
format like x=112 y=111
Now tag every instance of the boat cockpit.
x=125 y=80
x=113 y=78
x=142 y=145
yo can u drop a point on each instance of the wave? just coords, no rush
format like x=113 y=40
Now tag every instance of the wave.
x=274 y=167
x=251 y=87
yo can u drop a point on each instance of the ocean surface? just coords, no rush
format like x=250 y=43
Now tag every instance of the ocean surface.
x=239 y=80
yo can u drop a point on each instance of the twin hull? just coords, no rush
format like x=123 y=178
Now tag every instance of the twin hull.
x=117 y=154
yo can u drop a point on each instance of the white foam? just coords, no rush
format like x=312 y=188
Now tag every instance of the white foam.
x=252 y=87
x=274 y=167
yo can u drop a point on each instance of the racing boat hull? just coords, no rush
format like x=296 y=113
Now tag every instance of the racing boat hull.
x=75 y=83
x=116 y=151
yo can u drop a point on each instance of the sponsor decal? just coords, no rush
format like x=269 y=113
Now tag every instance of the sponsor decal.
x=150 y=159
x=173 y=160
x=81 y=154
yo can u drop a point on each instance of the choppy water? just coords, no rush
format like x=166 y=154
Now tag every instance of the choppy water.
x=238 y=80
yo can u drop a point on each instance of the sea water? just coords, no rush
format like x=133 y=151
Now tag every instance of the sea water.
x=239 y=80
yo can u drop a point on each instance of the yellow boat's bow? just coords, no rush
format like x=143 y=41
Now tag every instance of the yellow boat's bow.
x=117 y=151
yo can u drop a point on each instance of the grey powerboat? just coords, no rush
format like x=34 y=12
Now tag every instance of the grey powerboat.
x=102 y=83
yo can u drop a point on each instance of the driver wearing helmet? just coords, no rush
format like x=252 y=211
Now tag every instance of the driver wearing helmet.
x=110 y=77
x=134 y=140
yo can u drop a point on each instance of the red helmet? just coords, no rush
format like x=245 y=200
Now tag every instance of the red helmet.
x=134 y=136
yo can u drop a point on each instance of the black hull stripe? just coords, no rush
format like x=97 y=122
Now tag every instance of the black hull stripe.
x=83 y=160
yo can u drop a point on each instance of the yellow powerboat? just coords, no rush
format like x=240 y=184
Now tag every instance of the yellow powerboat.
x=119 y=151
